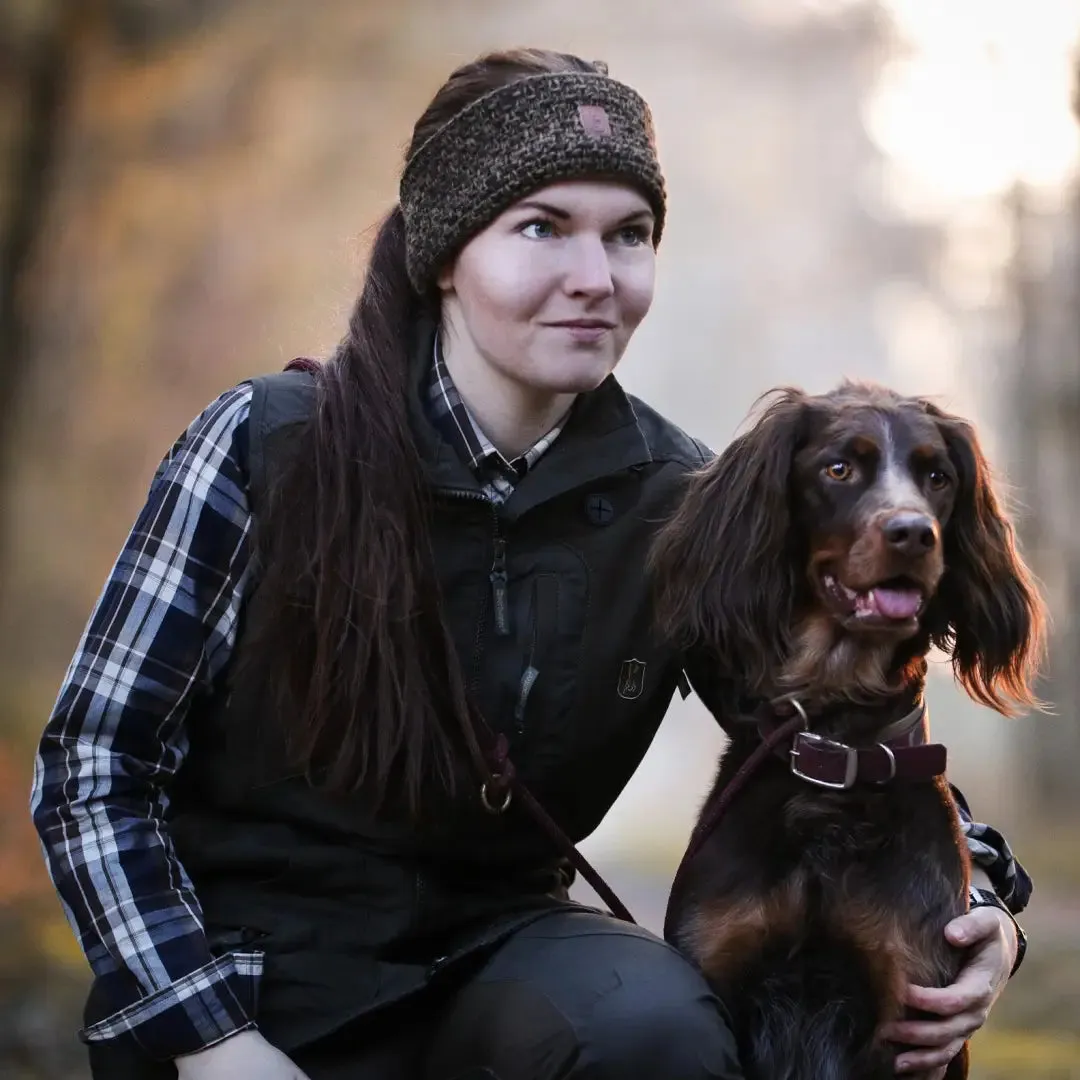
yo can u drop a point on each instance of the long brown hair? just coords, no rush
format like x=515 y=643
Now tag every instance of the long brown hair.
x=352 y=644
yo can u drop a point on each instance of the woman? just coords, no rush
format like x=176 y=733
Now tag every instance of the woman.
x=270 y=767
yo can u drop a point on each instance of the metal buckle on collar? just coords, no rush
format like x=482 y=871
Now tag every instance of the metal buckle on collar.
x=851 y=766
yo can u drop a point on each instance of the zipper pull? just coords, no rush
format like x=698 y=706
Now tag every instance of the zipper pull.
x=498 y=589
x=528 y=680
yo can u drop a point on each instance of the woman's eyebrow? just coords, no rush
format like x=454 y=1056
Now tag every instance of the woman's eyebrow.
x=635 y=215
x=547 y=208
x=564 y=215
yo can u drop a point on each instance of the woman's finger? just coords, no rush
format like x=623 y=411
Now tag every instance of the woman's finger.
x=935 y=1032
x=922 y=1060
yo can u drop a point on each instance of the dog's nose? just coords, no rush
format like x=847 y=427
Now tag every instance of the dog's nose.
x=910 y=533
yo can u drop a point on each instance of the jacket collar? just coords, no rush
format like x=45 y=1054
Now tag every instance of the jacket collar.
x=601 y=436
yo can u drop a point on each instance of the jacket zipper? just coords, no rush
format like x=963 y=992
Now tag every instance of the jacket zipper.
x=497 y=575
x=498 y=578
x=500 y=604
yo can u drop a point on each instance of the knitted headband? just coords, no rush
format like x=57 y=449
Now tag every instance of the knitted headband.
x=536 y=131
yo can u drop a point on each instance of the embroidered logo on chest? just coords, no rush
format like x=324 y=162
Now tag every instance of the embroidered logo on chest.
x=631 y=679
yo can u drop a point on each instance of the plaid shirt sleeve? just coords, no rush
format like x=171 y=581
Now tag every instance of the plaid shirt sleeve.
x=990 y=850
x=160 y=633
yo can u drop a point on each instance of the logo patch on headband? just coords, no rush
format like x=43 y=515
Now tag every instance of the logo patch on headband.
x=594 y=119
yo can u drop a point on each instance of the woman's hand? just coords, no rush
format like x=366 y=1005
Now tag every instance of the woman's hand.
x=988 y=935
x=243 y=1056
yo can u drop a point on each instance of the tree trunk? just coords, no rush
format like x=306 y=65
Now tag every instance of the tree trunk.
x=36 y=59
x=1045 y=435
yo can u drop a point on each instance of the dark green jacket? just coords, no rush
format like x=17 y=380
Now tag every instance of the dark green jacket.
x=355 y=913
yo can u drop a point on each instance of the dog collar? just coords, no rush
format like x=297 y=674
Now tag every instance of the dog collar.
x=899 y=754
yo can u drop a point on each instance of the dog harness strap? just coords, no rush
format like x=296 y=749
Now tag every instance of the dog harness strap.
x=832 y=764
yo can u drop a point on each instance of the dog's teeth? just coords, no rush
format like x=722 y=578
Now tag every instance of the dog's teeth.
x=831 y=582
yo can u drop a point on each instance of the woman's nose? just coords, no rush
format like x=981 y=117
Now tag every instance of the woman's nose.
x=588 y=270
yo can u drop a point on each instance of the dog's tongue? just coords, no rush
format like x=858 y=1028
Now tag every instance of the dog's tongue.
x=894 y=603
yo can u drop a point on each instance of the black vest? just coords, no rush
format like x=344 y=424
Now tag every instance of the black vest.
x=355 y=913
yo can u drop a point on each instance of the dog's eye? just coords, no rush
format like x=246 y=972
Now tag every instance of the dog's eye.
x=839 y=470
x=937 y=479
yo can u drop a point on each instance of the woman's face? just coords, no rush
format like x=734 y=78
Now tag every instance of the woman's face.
x=548 y=295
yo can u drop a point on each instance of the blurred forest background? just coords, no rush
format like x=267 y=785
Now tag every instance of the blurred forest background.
x=875 y=188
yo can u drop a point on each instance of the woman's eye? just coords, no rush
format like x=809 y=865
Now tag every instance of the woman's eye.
x=538 y=230
x=839 y=470
x=634 y=235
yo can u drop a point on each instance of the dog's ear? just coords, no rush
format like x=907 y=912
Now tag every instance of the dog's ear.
x=724 y=565
x=994 y=617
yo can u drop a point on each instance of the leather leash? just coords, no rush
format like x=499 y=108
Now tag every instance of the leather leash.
x=501 y=784
x=711 y=818
x=504 y=783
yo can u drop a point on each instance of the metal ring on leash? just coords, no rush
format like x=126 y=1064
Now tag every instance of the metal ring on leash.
x=489 y=806
x=798 y=706
x=892 y=765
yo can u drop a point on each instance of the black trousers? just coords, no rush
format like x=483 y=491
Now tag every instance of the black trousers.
x=572 y=996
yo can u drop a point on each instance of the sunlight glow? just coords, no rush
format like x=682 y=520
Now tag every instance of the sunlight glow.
x=981 y=100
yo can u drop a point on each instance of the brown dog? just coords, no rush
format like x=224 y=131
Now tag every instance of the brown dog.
x=819 y=559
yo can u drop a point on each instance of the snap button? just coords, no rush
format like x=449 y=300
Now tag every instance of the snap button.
x=599 y=510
